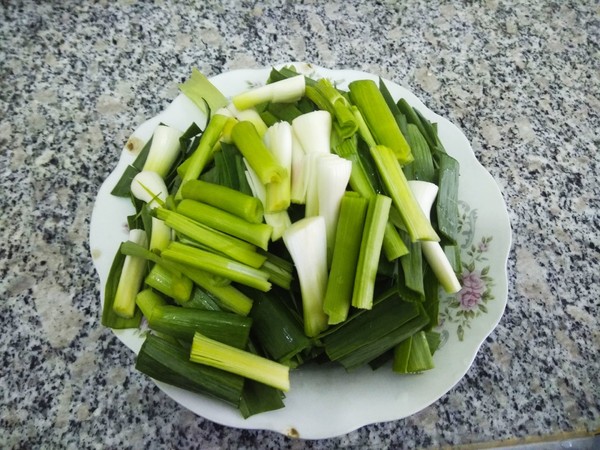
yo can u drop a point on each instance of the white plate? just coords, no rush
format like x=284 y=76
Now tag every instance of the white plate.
x=328 y=402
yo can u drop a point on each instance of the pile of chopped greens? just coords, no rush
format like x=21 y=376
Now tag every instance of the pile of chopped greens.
x=303 y=224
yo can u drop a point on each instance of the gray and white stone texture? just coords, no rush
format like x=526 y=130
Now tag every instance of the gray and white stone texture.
x=520 y=78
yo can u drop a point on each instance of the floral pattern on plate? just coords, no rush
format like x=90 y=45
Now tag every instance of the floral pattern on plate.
x=470 y=302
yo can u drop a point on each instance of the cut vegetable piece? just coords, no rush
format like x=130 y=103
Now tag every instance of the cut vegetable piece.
x=248 y=115
x=278 y=140
x=411 y=268
x=182 y=323
x=131 y=278
x=363 y=128
x=431 y=132
x=370 y=250
x=219 y=265
x=398 y=115
x=413 y=355
x=432 y=299
x=228 y=111
x=313 y=130
x=412 y=117
x=147 y=300
x=287 y=72
x=230 y=246
x=109 y=317
x=338 y=296
x=160 y=235
x=284 y=111
x=283 y=91
x=453 y=254
x=311 y=164
x=425 y=194
x=188 y=143
x=202 y=92
x=216 y=354
x=382 y=124
x=306 y=241
x=242 y=205
x=256 y=233
x=168 y=362
x=141 y=218
x=202 y=299
x=298 y=181
x=417 y=224
x=149 y=187
x=250 y=144
x=422 y=167
x=333 y=174
x=367 y=185
x=275 y=329
x=279 y=221
x=133 y=249
x=227 y=297
x=401 y=356
x=230 y=168
x=279 y=270
x=164 y=150
x=204 y=153
x=259 y=398
x=393 y=245
x=447 y=202
x=358 y=331
x=434 y=339
x=268 y=118
x=389 y=100
x=370 y=351
x=215 y=280
x=226 y=131
x=122 y=187
x=359 y=179
x=176 y=286
x=440 y=265
x=328 y=98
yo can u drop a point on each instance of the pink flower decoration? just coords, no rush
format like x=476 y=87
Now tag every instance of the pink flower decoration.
x=472 y=291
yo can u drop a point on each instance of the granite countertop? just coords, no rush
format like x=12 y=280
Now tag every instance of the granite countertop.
x=521 y=78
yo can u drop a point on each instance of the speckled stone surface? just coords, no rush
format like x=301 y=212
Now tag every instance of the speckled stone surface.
x=521 y=78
